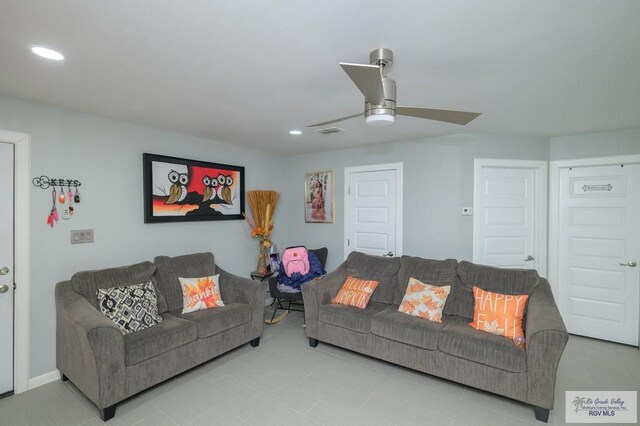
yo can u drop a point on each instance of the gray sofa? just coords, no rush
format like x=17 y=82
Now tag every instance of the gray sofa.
x=109 y=366
x=451 y=349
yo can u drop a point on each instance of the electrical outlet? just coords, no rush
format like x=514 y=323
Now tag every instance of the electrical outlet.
x=467 y=211
x=81 y=236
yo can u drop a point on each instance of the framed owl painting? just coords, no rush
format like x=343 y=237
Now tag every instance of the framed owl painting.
x=181 y=190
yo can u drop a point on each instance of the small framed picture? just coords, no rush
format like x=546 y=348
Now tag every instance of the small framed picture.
x=274 y=262
x=318 y=197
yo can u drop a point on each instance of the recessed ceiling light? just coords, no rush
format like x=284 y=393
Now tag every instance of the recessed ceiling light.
x=47 y=53
x=295 y=132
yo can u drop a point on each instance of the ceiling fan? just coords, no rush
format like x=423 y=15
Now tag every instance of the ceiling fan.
x=380 y=95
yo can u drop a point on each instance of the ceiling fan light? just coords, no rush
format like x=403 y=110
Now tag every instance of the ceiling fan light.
x=47 y=53
x=380 y=120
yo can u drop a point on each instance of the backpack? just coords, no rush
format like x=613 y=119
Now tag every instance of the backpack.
x=295 y=260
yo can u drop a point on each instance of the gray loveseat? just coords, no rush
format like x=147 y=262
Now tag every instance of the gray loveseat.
x=109 y=366
x=451 y=349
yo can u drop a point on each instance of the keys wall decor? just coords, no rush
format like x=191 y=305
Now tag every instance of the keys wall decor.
x=66 y=199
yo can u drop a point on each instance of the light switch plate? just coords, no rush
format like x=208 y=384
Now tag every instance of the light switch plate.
x=467 y=211
x=81 y=236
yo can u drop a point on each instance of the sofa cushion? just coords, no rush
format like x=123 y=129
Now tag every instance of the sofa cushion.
x=213 y=321
x=459 y=339
x=349 y=317
x=87 y=283
x=498 y=280
x=428 y=271
x=171 y=333
x=441 y=272
x=394 y=325
x=168 y=269
x=381 y=269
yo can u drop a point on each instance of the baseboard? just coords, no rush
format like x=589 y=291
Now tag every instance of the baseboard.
x=49 y=377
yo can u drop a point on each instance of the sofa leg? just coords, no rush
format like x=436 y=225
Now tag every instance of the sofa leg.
x=64 y=378
x=542 y=414
x=108 y=413
x=313 y=342
x=255 y=342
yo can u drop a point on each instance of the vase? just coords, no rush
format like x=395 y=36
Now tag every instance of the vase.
x=262 y=260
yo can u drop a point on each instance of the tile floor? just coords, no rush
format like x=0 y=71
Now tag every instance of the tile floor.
x=285 y=382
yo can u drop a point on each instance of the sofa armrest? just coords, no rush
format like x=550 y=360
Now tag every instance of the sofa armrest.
x=320 y=292
x=89 y=348
x=546 y=338
x=238 y=289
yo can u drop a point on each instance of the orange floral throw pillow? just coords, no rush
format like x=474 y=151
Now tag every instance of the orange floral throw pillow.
x=424 y=300
x=498 y=313
x=355 y=292
x=200 y=293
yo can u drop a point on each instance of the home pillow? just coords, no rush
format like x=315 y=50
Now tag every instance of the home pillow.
x=355 y=292
x=498 y=313
x=424 y=300
x=132 y=308
x=200 y=293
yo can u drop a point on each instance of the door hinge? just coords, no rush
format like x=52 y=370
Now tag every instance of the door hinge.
x=14 y=286
x=349 y=241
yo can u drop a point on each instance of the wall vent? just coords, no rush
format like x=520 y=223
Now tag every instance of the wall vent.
x=329 y=130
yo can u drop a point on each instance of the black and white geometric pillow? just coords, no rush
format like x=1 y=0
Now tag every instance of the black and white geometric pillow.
x=132 y=308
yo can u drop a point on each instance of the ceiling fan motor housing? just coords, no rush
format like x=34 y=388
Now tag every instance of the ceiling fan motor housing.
x=389 y=105
x=384 y=59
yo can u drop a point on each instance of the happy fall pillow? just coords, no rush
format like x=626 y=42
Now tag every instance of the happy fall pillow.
x=498 y=313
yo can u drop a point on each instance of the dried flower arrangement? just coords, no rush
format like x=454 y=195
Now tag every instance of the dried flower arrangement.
x=263 y=206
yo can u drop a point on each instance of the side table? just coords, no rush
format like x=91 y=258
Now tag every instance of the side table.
x=255 y=275
x=259 y=276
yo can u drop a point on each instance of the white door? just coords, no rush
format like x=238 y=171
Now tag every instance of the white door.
x=599 y=248
x=6 y=268
x=373 y=209
x=510 y=212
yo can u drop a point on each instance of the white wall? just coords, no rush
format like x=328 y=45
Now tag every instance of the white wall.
x=604 y=144
x=438 y=182
x=106 y=156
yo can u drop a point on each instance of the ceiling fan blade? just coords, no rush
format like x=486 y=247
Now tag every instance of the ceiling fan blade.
x=368 y=79
x=456 y=117
x=336 y=120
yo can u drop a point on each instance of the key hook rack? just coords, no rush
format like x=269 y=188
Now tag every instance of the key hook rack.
x=45 y=182
x=66 y=201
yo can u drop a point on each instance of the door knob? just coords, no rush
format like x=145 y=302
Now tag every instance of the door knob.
x=630 y=264
x=4 y=270
x=529 y=258
x=4 y=288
